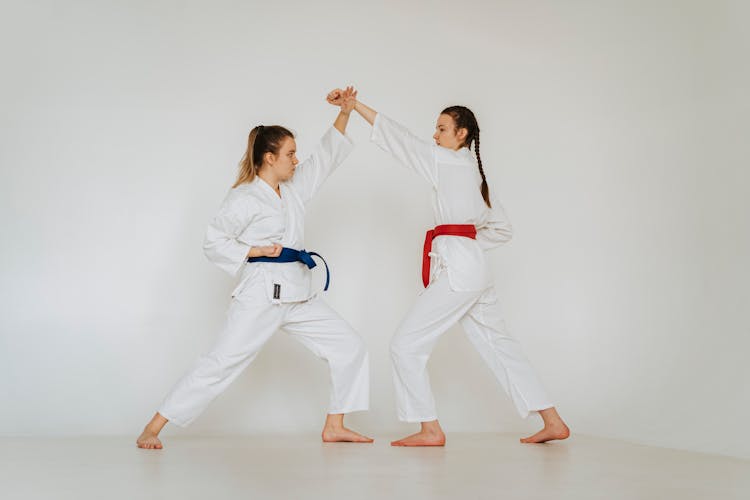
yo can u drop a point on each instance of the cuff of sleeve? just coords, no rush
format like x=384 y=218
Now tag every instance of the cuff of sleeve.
x=241 y=257
x=376 y=134
x=337 y=133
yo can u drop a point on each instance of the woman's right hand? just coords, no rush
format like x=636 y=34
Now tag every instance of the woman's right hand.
x=339 y=97
x=265 y=251
x=335 y=97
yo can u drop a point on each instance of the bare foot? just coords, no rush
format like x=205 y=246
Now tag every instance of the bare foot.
x=343 y=435
x=149 y=440
x=549 y=433
x=554 y=428
x=422 y=438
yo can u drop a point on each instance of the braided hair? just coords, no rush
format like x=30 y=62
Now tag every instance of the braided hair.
x=464 y=118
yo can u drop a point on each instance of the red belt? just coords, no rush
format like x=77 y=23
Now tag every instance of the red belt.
x=466 y=230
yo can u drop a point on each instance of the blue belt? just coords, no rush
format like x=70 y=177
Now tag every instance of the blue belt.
x=292 y=255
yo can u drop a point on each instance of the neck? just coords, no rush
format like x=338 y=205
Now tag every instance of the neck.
x=269 y=178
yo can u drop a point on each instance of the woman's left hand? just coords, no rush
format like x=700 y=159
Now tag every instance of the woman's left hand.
x=349 y=99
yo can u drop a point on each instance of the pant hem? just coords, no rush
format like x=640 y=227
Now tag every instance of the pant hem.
x=413 y=420
x=348 y=410
x=535 y=410
x=178 y=423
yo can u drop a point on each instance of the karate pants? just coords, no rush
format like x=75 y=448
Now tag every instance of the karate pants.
x=251 y=320
x=435 y=311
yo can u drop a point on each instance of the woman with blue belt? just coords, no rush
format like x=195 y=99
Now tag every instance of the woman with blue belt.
x=258 y=235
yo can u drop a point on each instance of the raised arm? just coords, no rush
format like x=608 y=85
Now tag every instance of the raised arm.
x=366 y=112
x=410 y=150
x=333 y=148
x=395 y=139
x=347 y=100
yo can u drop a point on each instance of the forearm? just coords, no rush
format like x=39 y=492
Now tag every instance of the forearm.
x=366 y=112
x=254 y=252
x=341 y=121
x=227 y=253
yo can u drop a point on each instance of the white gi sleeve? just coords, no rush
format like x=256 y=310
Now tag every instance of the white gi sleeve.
x=223 y=245
x=310 y=174
x=409 y=149
x=495 y=228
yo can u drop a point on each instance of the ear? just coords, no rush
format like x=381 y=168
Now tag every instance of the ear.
x=269 y=158
x=461 y=134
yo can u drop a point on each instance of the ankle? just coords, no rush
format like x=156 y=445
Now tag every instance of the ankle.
x=432 y=429
x=151 y=430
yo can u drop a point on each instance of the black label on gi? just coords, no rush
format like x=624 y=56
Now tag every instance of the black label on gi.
x=276 y=291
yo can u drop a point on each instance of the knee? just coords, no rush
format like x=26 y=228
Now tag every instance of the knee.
x=398 y=346
x=359 y=347
x=356 y=348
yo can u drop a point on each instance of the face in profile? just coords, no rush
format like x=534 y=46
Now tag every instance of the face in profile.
x=446 y=134
x=285 y=162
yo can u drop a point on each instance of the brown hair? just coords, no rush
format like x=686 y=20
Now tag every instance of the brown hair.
x=464 y=118
x=260 y=141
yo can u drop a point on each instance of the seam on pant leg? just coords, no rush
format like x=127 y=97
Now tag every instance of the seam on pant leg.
x=487 y=336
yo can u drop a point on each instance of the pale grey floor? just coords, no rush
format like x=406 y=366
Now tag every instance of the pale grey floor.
x=472 y=466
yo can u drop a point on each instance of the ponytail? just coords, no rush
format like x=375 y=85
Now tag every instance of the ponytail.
x=261 y=140
x=248 y=168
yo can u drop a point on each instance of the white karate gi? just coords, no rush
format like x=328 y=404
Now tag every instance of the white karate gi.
x=460 y=287
x=252 y=214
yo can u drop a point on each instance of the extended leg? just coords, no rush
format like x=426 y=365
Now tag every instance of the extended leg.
x=503 y=354
x=250 y=323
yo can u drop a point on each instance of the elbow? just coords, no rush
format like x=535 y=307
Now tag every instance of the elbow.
x=507 y=234
x=506 y=231
x=209 y=248
x=502 y=234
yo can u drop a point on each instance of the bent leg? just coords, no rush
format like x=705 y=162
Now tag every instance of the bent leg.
x=319 y=328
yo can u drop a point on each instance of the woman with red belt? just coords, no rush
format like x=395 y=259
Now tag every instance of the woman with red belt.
x=456 y=276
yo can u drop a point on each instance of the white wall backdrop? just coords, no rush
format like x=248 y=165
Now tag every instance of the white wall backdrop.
x=615 y=132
